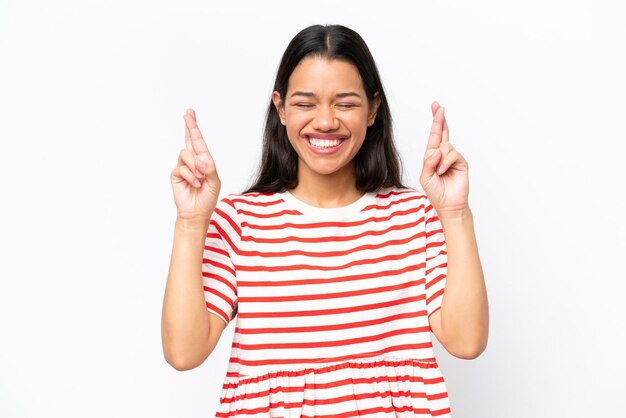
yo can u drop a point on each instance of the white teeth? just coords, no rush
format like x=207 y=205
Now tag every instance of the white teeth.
x=324 y=143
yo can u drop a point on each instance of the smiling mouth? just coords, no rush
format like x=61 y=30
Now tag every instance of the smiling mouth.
x=324 y=143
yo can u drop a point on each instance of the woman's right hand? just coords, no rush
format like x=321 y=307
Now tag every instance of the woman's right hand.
x=195 y=182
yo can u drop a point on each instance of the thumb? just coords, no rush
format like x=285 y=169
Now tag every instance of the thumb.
x=431 y=159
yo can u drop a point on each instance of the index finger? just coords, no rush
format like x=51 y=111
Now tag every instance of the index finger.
x=188 y=145
x=436 y=131
x=197 y=142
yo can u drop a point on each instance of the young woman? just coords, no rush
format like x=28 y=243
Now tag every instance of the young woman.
x=335 y=271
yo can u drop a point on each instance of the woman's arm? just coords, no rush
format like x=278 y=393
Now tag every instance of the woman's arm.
x=189 y=332
x=462 y=323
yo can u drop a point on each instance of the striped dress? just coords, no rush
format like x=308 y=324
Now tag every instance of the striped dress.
x=331 y=305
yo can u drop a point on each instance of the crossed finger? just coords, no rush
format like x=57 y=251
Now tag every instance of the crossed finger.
x=436 y=131
x=446 y=133
x=445 y=137
x=440 y=138
x=198 y=145
x=188 y=144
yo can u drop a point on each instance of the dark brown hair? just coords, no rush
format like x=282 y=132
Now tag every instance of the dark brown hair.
x=377 y=162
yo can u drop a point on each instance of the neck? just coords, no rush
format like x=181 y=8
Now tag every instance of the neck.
x=327 y=190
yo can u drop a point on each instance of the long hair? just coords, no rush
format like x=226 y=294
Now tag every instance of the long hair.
x=377 y=163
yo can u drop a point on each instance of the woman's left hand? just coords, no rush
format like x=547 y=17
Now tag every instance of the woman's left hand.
x=444 y=175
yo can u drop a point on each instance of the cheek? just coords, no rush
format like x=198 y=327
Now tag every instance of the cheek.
x=296 y=122
x=356 y=121
x=294 y=126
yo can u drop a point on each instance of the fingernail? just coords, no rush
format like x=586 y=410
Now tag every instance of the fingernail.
x=440 y=170
x=429 y=153
x=200 y=166
x=196 y=183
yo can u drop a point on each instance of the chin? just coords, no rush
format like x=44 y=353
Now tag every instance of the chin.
x=326 y=169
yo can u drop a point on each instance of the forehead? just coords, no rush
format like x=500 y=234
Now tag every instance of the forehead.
x=321 y=76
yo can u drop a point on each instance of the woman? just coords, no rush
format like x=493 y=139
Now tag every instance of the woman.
x=335 y=271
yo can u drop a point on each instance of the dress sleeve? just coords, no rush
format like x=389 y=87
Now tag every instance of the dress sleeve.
x=436 y=259
x=219 y=275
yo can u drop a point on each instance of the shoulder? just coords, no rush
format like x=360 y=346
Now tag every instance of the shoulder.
x=247 y=201
x=399 y=194
x=241 y=207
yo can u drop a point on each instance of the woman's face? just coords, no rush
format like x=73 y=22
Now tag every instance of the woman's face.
x=326 y=114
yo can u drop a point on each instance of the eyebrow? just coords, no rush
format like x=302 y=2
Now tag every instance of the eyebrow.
x=340 y=95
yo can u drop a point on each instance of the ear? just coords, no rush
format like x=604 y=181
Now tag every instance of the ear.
x=371 y=117
x=280 y=107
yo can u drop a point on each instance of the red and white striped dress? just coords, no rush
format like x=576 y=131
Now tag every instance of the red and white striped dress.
x=333 y=304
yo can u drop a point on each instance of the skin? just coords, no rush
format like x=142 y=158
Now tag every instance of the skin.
x=189 y=332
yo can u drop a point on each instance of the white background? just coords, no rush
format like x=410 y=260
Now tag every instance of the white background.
x=92 y=95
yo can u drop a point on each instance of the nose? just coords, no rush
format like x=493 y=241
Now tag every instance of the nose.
x=325 y=119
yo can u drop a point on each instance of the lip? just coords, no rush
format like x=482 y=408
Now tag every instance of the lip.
x=325 y=151
x=324 y=136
